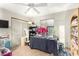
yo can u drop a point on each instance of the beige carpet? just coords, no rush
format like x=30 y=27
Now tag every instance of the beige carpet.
x=27 y=51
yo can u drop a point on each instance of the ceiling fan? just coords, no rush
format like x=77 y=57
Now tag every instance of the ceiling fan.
x=33 y=6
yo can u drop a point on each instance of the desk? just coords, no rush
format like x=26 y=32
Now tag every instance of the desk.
x=44 y=44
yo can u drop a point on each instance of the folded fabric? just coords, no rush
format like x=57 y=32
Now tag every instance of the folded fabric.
x=42 y=30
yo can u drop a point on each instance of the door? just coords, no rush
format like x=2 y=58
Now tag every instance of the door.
x=16 y=32
x=62 y=34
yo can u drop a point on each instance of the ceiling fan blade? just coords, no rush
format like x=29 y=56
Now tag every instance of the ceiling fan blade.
x=36 y=10
x=40 y=4
x=27 y=10
x=32 y=4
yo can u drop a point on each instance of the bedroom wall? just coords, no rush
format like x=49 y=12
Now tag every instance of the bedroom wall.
x=6 y=15
x=1 y=17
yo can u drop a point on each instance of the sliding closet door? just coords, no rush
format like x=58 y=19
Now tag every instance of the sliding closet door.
x=16 y=31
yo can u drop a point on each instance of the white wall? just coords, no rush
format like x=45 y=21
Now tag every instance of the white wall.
x=6 y=15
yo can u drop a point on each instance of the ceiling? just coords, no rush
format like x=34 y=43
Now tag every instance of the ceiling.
x=49 y=8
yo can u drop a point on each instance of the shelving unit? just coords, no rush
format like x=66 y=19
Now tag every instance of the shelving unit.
x=74 y=32
x=32 y=31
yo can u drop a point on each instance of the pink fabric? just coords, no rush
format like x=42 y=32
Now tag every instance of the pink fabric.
x=42 y=29
x=7 y=54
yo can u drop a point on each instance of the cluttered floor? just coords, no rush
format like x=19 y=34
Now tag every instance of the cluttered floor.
x=27 y=51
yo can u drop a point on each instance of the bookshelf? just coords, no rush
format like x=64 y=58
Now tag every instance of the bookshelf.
x=32 y=31
x=74 y=32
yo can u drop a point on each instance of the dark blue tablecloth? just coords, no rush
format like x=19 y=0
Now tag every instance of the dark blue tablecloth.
x=44 y=44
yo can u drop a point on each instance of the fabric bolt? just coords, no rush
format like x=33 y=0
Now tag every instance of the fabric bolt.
x=42 y=30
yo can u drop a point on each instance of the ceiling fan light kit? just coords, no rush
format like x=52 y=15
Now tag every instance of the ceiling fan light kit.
x=34 y=5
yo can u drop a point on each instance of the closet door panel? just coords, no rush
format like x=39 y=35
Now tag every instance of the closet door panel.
x=16 y=32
